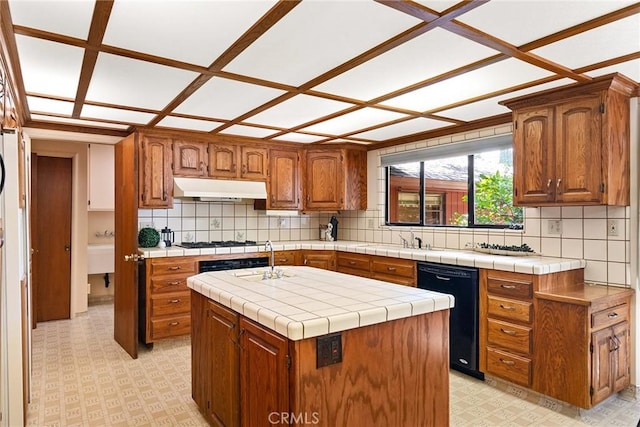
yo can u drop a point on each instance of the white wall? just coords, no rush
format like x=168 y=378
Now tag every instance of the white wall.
x=79 y=231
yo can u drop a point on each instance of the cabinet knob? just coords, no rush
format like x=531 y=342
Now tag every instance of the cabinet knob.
x=174 y=301
x=352 y=263
x=391 y=268
x=244 y=169
x=558 y=185
x=507 y=307
x=173 y=323
x=177 y=282
x=508 y=362
x=507 y=331
x=308 y=198
x=503 y=286
x=174 y=267
x=612 y=315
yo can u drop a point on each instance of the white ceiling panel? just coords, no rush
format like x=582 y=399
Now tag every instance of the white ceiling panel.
x=191 y=31
x=407 y=64
x=359 y=119
x=491 y=106
x=49 y=68
x=300 y=137
x=226 y=99
x=501 y=75
x=71 y=18
x=630 y=69
x=252 y=131
x=44 y=105
x=187 y=123
x=120 y=80
x=602 y=43
x=520 y=22
x=317 y=36
x=397 y=130
x=80 y=122
x=298 y=110
x=438 y=5
x=116 y=115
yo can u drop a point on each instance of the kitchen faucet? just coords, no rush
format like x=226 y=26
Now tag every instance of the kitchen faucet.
x=413 y=239
x=405 y=244
x=268 y=246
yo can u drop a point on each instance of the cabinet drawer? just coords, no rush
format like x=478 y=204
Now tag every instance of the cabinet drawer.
x=169 y=284
x=353 y=261
x=610 y=316
x=509 y=336
x=394 y=267
x=509 y=366
x=508 y=286
x=170 y=304
x=285 y=257
x=510 y=309
x=170 y=326
x=186 y=266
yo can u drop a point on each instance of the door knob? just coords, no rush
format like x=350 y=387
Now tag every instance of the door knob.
x=133 y=257
x=67 y=248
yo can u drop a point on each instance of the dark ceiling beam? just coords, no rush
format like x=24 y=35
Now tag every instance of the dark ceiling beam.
x=99 y=21
x=271 y=18
x=38 y=124
x=9 y=52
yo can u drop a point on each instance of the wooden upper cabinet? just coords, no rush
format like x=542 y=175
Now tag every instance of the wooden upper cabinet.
x=335 y=179
x=283 y=186
x=223 y=161
x=253 y=163
x=571 y=145
x=238 y=162
x=154 y=173
x=190 y=158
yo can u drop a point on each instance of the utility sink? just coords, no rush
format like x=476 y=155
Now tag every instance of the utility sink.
x=100 y=259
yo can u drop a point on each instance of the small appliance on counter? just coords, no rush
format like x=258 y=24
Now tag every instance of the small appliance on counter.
x=168 y=236
x=333 y=228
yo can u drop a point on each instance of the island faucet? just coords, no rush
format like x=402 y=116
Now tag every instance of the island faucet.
x=268 y=246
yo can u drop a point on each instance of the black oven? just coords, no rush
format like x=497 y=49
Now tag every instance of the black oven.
x=232 y=264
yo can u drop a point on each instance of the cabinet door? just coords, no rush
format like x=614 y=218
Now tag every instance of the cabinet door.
x=578 y=151
x=533 y=174
x=223 y=161
x=324 y=180
x=254 y=163
x=601 y=373
x=264 y=374
x=325 y=260
x=284 y=183
x=224 y=379
x=156 y=181
x=621 y=375
x=189 y=158
x=101 y=173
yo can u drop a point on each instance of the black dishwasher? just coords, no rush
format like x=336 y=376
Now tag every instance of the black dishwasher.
x=462 y=283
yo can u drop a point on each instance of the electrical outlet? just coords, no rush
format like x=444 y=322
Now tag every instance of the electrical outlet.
x=613 y=227
x=370 y=223
x=282 y=222
x=146 y=225
x=554 y=226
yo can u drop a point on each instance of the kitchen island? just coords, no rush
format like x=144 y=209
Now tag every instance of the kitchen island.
x=318 y=347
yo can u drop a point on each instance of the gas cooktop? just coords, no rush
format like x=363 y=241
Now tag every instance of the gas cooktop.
x=216 y=244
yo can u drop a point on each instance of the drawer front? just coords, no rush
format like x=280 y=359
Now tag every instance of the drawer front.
x=186 y=267
x=170 y=327
x=285 y=257
x=510 y=309
x=393 y=267
x=509 y=336
x=509 y=366
x=509 y=287
x=169 y=284
x=610 y=316
x=353 y=262
x=170 y=304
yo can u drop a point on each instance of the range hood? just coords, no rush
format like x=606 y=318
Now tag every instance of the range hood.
x=218 y=189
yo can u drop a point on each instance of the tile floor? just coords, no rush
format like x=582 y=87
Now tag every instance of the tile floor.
x=81 y=377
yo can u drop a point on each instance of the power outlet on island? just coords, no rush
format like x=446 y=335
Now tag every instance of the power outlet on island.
x=328 y=350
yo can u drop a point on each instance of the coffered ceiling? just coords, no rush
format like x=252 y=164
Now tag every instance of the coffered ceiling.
x=311 y=71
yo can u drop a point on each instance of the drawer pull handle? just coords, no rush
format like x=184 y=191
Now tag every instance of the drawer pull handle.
x=282 y=260
x=173 y=323
x=443 y=278
x=352 y=263
x=508 y=331
x=503 y=286
x=391 y=268
x=177 y=282
x=508 y=362
x=612 y=315
x=507 y=307
x=174 y=301
x=174 y=267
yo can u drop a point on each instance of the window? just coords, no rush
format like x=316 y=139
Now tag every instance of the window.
x=474 y=189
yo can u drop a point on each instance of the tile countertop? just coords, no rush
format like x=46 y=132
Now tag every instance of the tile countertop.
x=309 y=302
x=518 y=264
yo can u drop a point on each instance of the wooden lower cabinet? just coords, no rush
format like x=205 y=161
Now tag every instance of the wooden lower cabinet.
x=355 y=264
x=286 y=258
x=393 y=270
x=393 y=373
x=582 y=344
x=319 y=259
